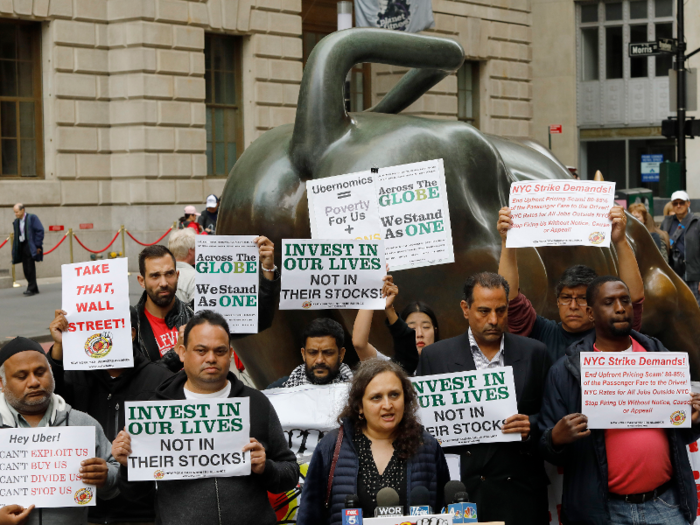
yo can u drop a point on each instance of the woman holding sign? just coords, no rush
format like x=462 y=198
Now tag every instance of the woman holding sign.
x=380 y=444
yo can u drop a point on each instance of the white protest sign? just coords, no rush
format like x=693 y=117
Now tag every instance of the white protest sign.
x=560 y=213
x=307 y=413
x=227 y=279
x=41 y=466
x=404 y=205
x=322 y=274
x=636 y=389
x=462 y=408
x=95 y=296
x=188 y=439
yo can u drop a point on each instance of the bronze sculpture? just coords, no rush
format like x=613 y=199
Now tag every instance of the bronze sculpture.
x=265 y=194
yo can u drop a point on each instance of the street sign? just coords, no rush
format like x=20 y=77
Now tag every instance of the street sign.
x=644 y=49
x=651 y=166
x=667 y=45
x=554 y=128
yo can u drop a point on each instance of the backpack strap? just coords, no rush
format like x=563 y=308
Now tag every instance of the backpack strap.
x=336 y=454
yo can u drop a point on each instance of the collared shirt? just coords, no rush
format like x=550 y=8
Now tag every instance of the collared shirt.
x=22 y=236
x=23 y=423
x=480 y=360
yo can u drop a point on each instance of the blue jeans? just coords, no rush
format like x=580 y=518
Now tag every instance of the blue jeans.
x=663 y=510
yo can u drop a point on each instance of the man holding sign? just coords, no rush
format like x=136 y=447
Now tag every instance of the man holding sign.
x=506 y=480
x=614 y=475
x=206 y=355
x=28 y=402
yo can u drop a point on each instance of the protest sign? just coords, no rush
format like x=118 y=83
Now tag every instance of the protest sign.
x=188 y=439
x=95 y=296
x=322 y=274
x=560 y=213
x=636 y=389
x=41 y=466
x=404 y=205
x=462 y=408
x=227 y=279
x=307 y=413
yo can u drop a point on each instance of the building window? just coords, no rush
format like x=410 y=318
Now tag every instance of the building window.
x=468 y=93
x=21 y=143
x=223 y=103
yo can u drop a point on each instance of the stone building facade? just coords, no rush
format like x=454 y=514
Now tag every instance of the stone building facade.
x=142 y=106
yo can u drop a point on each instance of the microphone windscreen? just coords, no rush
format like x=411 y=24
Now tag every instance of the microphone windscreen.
x=461 y=497
x=419 y=496
x=352 y=501
x=452 y=488
x=388 y=497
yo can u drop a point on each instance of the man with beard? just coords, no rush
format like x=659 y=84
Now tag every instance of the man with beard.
x=161 y=314
x=617 y=475
x=28 y=401
x=323 y=354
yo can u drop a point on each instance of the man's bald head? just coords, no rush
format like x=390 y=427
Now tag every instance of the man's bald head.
x=19 y=210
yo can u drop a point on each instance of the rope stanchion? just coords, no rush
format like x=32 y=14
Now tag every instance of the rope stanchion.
x=59 y=244
x=4 y=242
x=148 y=244
x=97 y=251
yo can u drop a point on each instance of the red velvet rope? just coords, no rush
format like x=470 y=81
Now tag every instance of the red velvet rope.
x=148 y=244
x=97 y=251
x=52 y=249
x=4 y=242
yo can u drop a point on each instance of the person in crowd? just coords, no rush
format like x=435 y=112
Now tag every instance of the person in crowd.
x=28 y=401
x=161 y=314
x=189 y=220
x=625 y=476
x=102 y=394
x=207 y=220
x=323 y=354
x=668 y=209
x=206 y=353
x=182 y=243
x=507 y=481
x=570 y=291
x=413 y=330
x=382 y=444
x=683 y=229
x=661 y=238
x=27 y=245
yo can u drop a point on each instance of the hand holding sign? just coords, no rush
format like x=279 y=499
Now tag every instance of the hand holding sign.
x=517 y=424
x=57 y=327
x=505 y=222
x=94 y=471
x=569 y=429
x=257 y=456
x=121 y=447
x=695 y=402
x=14 y=514
x=267 y=256
x=619 y=224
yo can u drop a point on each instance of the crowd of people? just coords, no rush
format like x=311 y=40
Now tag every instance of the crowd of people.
x=610 y=476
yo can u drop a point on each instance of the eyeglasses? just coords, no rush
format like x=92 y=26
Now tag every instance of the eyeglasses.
x=678 y=203
x=566 y=301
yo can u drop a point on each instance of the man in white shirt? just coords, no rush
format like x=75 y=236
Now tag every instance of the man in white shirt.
x=182 y=246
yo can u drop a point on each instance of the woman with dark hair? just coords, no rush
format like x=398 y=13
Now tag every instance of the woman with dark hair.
x=381 y=444
x=413 y=330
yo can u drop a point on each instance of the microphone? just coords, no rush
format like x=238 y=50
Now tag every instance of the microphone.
x=420 y=502
x=451 y=490
x=388 y=503
x=352 y=512
x=458 y=504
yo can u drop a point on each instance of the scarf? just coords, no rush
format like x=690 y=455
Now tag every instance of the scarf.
x=298 y=376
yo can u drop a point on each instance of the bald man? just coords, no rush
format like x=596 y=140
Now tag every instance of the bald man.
x=27 y=246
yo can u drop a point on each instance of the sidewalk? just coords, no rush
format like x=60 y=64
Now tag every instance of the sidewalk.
x=31 y=316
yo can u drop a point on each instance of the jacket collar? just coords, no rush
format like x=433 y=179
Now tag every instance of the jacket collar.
x=58 y=414
x=173 y=315
x=463 y=358
x=173 y=388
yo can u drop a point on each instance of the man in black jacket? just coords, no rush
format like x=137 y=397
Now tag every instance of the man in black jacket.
x=102 y=393
x=206 y=355
x=506 y=480
x=161 y=314
x=617 y=475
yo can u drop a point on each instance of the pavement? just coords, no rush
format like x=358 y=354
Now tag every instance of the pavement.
x=31 y=316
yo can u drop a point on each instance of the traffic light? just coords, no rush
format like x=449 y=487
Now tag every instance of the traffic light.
x=691 y=128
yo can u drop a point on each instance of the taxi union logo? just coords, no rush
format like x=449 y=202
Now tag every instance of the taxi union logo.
x=306 y=305
x=596 y=237
x=159 y=474
x=83 y=496
x=678 y=417
x=98 y=345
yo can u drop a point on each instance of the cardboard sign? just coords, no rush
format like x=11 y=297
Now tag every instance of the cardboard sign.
x=41 y=466
x=560 y=213
x=404 y=205
x=186 y=439
x=463 y=408
x=318 y=275
x=636 y=389
x=96 y=297
x=227 y=279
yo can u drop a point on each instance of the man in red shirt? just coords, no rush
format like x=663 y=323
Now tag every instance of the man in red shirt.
x=635 y=476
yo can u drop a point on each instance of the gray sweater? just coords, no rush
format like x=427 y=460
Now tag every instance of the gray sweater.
x=62 y=416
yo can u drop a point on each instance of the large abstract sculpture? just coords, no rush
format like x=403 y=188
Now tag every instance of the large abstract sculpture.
x=265 y=194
